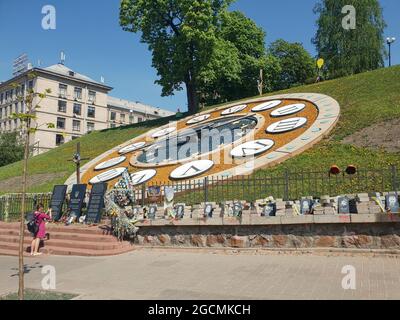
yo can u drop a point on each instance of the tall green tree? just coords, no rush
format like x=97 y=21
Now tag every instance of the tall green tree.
x=181 y=35
x=240 y=61
x=349 y=50
x=11 y=148
x=297 y=65
x=32 y=100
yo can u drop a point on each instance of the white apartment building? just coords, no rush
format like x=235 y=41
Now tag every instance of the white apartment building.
x=76 y=105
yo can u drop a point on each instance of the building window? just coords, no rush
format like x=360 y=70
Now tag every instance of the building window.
x=62 y=106
x=140 y=119
x=60 y=123
x=90 y=126
x=78 y=93
x=122 y=117
x=1 y=98
x=92 y=96
x=77 y=109
x=62 y=90
x=30 y=85
x=91 y=113
x=59 y=139
x=113 y=116
x=16 y=108
x=76 y=125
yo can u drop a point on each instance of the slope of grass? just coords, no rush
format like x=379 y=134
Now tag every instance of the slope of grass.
x=365 y=99
x=92 y=145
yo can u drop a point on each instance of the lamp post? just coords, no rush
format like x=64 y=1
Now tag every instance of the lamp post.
x=389 y=41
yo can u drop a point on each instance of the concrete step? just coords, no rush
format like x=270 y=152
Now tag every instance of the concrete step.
x=94 y=245
x=99 y=230
x=10 y=248
x=63 y=235
x=77 y=240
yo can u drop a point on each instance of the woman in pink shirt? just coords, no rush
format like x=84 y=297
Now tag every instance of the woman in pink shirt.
x=40 y=218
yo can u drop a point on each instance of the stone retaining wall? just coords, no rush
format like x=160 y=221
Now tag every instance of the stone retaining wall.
x=351 y=231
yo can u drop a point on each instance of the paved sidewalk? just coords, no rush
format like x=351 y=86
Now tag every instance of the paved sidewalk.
x=159 y=274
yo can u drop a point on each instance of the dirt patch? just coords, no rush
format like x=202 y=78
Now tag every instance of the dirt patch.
x=13 y=185
x=383 y=135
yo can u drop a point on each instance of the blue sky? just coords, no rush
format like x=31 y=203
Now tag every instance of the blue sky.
x=95 y=45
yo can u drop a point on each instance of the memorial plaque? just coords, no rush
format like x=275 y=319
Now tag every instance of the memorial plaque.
x=180 y=211
x=269 y=210
x=57 y=201
x=152 y=212
x=208 y=210
x=76 y=200
x=305 y=206
x=154 y=193
x=343 y=205
x=96 y=203
x=237 y=209
x=392 y=203
x=136 y=211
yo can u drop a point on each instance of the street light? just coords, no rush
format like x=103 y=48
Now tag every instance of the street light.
x=389 y=41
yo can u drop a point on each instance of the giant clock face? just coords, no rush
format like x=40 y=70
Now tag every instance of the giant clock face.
x=222 y=141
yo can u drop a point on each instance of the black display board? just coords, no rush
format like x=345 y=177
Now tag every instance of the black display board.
x=269 y=210
x=76 y=200
x=57 y=201
x=343 y=205
x=305 y=206
x=392 y=203
x=96 y=203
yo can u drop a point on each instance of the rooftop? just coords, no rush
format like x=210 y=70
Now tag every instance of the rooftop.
x=137 y=106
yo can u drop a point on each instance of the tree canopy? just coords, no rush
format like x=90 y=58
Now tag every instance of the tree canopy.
x=182 y=37
x=11 y=148
x=297 y=65
x=350 y=50
x=236 y=67
x=214 y=53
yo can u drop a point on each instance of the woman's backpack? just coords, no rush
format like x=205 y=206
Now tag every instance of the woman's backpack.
x=32 y=225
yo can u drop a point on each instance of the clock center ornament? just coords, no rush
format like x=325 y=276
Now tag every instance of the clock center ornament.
x=227 y=141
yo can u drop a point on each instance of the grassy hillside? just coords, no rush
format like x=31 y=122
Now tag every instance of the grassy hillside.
x=365 y=99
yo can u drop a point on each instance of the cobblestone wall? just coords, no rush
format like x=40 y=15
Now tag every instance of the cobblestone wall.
x=377 y=235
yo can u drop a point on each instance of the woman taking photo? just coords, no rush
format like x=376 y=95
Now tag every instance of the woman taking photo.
x=40 y=218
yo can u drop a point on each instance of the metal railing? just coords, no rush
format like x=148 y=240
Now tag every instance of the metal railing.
x=286 y=185
x=10 y=205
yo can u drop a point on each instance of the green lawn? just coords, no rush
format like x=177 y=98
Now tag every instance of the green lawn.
x=365 y=99
x=31 y=294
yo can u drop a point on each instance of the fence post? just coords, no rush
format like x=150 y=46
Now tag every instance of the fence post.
x=394 y=177
x=205 y=189
x=6 y=207
x=286 y=186
x=143 y=193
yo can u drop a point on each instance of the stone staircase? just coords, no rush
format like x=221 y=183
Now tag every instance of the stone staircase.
x=65 y=241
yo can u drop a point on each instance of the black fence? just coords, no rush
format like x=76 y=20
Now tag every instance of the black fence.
x=11 y=204
x=287 y=185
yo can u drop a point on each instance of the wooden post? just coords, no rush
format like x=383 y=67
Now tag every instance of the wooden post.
x=78 y=163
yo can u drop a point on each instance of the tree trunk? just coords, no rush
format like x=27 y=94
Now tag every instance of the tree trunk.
x=22 y=222
x=193 y=101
